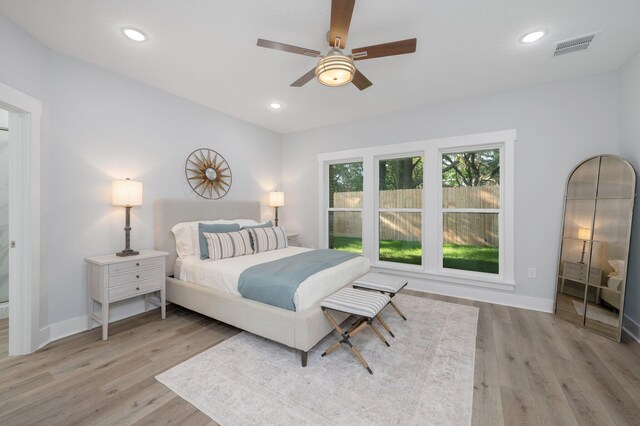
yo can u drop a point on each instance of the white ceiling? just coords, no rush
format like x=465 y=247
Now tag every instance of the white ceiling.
x=205 y=50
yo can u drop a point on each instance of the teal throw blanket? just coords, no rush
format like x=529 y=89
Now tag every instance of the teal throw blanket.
x=276 y=282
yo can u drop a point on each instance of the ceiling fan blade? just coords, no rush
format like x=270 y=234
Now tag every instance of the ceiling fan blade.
x=360 y=81
x=387 y=49
x=288 y=48
x=305 y=78
x=341 y=11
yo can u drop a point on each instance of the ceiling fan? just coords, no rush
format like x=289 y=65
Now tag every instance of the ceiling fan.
x=336 y=68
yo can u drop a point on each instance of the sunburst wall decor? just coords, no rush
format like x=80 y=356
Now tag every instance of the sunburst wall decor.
x=208 y=173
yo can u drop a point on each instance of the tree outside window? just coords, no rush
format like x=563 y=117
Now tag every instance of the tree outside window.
x=471 y=210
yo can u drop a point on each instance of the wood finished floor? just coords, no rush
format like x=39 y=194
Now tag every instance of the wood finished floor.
x=530 y=368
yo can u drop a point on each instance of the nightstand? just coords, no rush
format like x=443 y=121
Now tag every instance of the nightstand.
x=577 y=272
x=113 y=278
x=292 y=239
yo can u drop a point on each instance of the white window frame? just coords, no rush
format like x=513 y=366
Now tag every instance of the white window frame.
x=378 y=210
x=499 y=211
x=430 y=150
x=324 y=211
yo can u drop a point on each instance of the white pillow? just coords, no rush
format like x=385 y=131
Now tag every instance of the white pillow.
x=184 y=238
x=618 y=267
x=186 y=233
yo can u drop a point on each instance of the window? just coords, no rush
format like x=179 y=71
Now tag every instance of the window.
x=471 y=211
x=400 y=210
x=345 y=206
x=441 y=209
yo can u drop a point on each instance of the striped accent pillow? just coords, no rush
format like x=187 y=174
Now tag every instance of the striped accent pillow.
x=265 y=239
x=228 y=244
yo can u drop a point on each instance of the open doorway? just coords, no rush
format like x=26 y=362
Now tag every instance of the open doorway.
x=22 y=150
x=4 y=232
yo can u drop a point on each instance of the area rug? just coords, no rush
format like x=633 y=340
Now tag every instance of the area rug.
x=597 y=313
x=425 y=377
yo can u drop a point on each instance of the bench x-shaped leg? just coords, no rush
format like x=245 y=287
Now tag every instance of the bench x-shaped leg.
x=356 y=328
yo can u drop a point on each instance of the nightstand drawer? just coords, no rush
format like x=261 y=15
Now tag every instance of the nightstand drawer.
x=134 y=276
x=578 y=272
x=135 y=265
x=131 y=290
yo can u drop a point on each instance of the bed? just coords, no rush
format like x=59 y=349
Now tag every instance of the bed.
x=300 y=329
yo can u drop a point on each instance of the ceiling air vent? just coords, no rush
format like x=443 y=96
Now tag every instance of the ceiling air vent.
x=574 y=45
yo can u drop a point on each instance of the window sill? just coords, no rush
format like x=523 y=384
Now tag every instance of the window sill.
x=444 y=277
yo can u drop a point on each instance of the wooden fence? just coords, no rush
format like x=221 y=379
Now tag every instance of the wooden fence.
x=478 y=229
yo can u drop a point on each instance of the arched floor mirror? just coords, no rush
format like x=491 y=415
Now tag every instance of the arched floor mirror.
x=594 y=249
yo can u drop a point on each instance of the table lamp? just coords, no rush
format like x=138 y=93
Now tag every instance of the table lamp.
x=126 y=193
x=584 y=234
x=276 y=199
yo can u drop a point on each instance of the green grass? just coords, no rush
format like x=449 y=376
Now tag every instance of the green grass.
x=468 y=258
x=471 y=258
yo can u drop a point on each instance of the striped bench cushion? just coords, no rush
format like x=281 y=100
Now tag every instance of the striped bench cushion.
x=381 y=282
x=357 y=302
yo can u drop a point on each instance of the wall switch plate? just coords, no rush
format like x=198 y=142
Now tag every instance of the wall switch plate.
x=532 y=273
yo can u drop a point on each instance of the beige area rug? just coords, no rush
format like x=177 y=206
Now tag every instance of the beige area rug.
x=597 y=313
x=425 y=377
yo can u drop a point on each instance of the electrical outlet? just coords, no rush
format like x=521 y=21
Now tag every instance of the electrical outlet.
x=532 y=273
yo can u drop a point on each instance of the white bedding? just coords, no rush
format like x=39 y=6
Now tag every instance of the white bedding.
x=223 y=275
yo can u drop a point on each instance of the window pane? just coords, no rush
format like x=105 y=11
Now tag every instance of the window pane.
x=345 y=185
x=401 y=183
x=471 y=180
x=345 y=231
x=471 y=242
x=401 y=237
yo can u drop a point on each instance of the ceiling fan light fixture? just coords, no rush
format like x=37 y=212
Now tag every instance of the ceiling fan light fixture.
x=335 y=69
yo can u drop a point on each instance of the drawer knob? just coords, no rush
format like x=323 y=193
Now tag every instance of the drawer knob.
x=137 y=276
x=137 y=263
x=137 y=288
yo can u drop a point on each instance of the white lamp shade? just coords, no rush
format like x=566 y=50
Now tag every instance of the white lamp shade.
x=584 y=233
x=126 y=193
x=276 y=199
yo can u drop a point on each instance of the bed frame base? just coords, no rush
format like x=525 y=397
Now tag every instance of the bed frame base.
x=298 y=330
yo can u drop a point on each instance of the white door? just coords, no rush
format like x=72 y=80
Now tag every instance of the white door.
x=4 y=211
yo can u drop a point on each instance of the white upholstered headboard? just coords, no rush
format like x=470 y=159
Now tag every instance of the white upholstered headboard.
x=172 y=211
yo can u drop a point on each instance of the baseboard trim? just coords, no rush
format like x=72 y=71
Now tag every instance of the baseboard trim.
x=632 y=328
x=118 y=311
x=63 y=329
x=482 y=295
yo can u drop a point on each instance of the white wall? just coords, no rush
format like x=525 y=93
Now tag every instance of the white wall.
x=97 y=127
x=630 y=149
x=558 y=125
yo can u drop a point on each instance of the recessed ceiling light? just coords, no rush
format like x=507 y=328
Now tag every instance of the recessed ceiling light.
x=532 y=37
x=134 y=35
x=275 y=105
